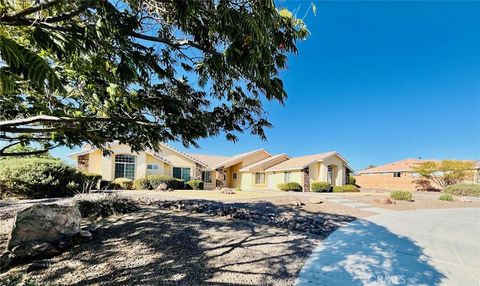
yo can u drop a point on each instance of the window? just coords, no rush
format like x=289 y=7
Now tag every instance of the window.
x=330 y=175
x=286 y=177
x=206 y=177
x=125 y=166
x=152 y=167
x=181 y=173
x=234 y=176
x=397 y=174
x=259 y=178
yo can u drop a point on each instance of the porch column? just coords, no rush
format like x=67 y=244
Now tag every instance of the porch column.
x=197 y=175
x=306 y=179
x=220 y=178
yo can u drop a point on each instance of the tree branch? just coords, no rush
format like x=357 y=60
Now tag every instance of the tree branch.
x=26 y=153
x=30 y=10
x=178 y=44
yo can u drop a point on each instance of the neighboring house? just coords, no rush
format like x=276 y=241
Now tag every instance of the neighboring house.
x=396 y=176
x=252 y=170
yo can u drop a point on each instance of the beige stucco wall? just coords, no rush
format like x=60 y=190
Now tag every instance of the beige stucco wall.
x=319 y=171
x=152 y=160
x=275 y=178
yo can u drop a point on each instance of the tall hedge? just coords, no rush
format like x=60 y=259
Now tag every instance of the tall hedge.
x=39 y=178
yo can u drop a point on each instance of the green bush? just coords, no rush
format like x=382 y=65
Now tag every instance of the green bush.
x=171 y=182
x=39 y=178
x=238 y=189
x=321 y=187
x=291 y=186
x=463 y=189
x=142 y=184
x=123 y=183
x=195 y=184
x=401 y=196
x=346 y=189
x=446 y=197
x=352 y=180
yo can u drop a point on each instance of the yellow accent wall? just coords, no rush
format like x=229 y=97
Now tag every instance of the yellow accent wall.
x=95 y=162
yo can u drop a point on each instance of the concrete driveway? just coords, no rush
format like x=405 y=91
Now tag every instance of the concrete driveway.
x=421 y=247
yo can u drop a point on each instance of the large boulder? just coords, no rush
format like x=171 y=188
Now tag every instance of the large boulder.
x=44 y=223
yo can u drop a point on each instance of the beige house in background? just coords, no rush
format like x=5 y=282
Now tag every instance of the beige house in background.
x=397 y=175
x=252 y=170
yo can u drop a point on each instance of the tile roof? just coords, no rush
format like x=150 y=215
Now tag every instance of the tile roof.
x=234 y=159
x=209 y=160
x=405 y=165
x=399 y=166
x=263 y=162
x=297 y=163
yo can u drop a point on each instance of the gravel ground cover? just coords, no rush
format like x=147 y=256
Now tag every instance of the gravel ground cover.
x=158 y=246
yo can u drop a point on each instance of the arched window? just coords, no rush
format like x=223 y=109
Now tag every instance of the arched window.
x=125 y=166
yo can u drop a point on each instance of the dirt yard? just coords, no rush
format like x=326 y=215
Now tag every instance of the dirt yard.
x=164 y=247
x=421 y=200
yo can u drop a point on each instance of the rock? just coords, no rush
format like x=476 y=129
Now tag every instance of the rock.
x=170 y=190
x=33 y=249
x=294 y=201
x=315 y=200
x=5 y=260
x=162 y=187
x=39 y=265
x=85 y=234
x=44 y=223
x=227 y=191
x=385 y=201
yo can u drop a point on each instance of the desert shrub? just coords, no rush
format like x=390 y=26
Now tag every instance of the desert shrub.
x=346 y=189
x=89 y=181
x=103 y=205
x=291 y=186
x=401 y=195
x=352 y=180
x=425 y=185
x=39 y=178
x=123 y=183
x=446 y=197
x=238 y=189
x=463 y=189
x=195 y=184
x=171 y=182
x=321 y=187
x=142 y=184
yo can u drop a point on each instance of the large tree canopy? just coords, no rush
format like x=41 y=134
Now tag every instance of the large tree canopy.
x=140 y=71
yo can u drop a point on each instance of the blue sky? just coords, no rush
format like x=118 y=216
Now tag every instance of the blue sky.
x=377 y=82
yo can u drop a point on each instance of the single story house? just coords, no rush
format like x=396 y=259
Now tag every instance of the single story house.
x=397 y=175
x=256 y=169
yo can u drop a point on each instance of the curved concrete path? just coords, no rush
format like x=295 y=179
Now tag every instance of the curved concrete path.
x=421 y=247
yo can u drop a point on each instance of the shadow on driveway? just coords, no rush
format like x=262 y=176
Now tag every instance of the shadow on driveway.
x=364 y=253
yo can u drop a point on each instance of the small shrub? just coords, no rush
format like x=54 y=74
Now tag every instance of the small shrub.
x=463 y=189
x=446 y=197
x=89 y=181
x=346 y=189
x=123 y=183
x=171 y=182
x=101 y=205
x=401 y=196
x=238 y=189
x=19 y=279
x=352 y=180
x=291 y=186
x=321 y=187
x=142 y=184
x=195 y=184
